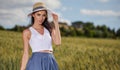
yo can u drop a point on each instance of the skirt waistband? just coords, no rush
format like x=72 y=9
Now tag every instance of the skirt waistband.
x=41 y=53
x=44 y=51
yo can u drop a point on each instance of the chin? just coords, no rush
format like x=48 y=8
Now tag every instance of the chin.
x=40 y=24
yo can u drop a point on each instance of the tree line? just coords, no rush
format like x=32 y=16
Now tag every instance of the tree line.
x=79 y=29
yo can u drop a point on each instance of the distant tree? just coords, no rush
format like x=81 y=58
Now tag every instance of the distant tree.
x=18 y=28
x=103 y=28
x=98 y=27
x=77 y=24
x=72 y=31
x=2 y=28
x=104 y=31
x=118 y=33
x=98 y=33
x=89 y=25
x=89 y=32
x=63 y=31
x=89 y=29
x=78 y=28
x=62 y=23
x=79 y=32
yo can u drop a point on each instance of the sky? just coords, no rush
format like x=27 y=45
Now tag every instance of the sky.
x=100 y=12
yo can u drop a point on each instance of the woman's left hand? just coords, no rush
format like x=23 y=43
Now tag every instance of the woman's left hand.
x=55 y=17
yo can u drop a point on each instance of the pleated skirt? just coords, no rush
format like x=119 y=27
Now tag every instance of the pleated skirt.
x=42 y=61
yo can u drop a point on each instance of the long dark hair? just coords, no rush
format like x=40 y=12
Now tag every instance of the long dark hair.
x=49 y=26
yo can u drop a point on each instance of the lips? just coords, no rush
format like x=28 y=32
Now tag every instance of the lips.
x=40 y=21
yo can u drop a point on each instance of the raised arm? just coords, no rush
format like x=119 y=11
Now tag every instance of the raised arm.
x=25 y=36
x=56 y=37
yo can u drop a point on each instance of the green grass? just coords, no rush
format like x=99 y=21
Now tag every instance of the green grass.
x=74 y=54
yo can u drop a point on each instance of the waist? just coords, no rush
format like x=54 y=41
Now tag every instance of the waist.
x=41 y=49
x=44 y=51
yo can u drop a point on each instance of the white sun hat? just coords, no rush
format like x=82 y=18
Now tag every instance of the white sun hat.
x=40 y=6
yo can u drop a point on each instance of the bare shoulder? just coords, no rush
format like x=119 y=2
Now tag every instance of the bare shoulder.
x=26 y=32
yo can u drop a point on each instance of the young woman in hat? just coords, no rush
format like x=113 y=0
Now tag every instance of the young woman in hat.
x=40 y=37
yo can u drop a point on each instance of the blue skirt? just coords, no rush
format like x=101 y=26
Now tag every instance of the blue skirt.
x=42 y=61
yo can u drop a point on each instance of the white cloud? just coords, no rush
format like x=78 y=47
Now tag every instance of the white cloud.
x=66 y=8
x=100 y=12
x=12 y=17
x=12 y=4
x=14 y=12
x=53 y=4
x=66 y=21
x=62 y=19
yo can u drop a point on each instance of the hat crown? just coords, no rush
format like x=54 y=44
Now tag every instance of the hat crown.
x=39 y=4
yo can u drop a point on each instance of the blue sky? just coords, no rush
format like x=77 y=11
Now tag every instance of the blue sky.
x=100 y=12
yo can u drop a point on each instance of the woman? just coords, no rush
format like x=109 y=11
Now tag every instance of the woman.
x=40 y=37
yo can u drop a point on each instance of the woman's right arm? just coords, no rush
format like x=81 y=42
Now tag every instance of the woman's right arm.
x=25 y=36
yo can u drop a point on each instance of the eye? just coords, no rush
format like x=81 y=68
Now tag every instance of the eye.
x=38 y=14
x=44 y=15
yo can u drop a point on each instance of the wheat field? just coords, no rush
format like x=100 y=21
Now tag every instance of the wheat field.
x=75 y=53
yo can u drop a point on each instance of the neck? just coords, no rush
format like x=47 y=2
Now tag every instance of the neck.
x=37 y=26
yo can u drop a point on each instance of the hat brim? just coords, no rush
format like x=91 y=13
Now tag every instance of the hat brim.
x=48 y=11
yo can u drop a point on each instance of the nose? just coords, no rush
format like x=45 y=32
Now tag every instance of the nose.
x=41 y=17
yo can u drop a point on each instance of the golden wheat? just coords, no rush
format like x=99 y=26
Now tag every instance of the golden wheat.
x=74 y=53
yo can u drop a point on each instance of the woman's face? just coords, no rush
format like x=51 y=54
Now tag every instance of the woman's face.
x=39 y=16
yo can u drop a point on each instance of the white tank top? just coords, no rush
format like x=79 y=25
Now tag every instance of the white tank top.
x=40 y=42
